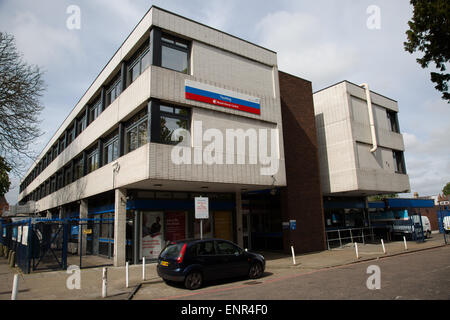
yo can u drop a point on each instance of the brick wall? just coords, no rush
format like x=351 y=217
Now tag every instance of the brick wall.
x=301 y=200
x=432 y=214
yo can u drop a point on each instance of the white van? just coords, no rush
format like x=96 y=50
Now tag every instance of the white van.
x=425 y=223
x=446 y=223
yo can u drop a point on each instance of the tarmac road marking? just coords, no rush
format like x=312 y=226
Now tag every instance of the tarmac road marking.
x=295 y=275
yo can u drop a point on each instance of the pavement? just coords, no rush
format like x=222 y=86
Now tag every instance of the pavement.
x=54 y=285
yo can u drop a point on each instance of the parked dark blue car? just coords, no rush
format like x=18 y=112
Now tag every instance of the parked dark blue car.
x=196 y=261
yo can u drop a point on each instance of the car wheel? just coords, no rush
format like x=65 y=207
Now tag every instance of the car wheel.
x=428 y=234
x=193 y=280
x=255 y=270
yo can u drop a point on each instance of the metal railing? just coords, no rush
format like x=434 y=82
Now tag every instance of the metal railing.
x=348 y=235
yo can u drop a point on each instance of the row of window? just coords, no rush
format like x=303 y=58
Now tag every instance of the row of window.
x=162 y=50
x=133 y=134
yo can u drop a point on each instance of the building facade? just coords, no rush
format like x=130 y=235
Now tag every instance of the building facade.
x=181 y=110
x=360 y=143
x=361 y=153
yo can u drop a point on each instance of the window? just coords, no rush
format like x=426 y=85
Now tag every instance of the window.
x=137 y=131
x=92 y=161
x=399 y=162
x=70 y=135
x=55 y=151
x=171 y=119
x=393 y=121
x=205 y=248
x=95 y=110
x=62 y=144
x=53 y=184
x=111 y=149
x=174 y=53
x=68 y=175
x=227 y=248
x=113 y=91
x=81 y=124
x=47 y=187
x=139 y=64
x=59 y=181
x=78 y=169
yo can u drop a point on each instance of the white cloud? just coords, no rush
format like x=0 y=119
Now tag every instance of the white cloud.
x=43 y=44
x=428 y=160
x=301 y=50
x=126 y=10
x=218 y=13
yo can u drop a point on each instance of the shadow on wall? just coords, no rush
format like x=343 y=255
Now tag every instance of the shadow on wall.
x=323 y=155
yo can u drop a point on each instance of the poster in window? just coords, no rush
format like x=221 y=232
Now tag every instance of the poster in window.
x=152 y=234
x=25 y=235
x=14 y=234
x=19 y=234
x=175 y=223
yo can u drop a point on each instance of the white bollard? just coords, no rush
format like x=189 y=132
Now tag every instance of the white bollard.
x=293 y=255
x=404 y=241
x=382 y=244
x=143 y=268
x=104 y=282
x=356 y=249
x=126 y=274
x=15 y=287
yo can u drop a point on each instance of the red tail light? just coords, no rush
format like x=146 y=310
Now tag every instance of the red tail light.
x=181 y=255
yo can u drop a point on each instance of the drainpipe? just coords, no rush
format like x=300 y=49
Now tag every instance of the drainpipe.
x=371 y=119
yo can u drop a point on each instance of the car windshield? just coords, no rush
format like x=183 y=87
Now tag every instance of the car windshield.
x=172 y=251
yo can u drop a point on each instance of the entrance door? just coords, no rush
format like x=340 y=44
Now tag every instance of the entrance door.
x=223 y=225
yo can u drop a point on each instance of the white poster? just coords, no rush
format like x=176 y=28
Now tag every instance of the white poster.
x=152 y=234
x=201 y=208
x=25 y=235
x=19 y=234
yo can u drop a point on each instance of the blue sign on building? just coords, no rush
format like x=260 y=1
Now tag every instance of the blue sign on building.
x=74 y=230
x=293 y=224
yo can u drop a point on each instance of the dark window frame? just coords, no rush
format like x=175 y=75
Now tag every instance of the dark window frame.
x=94 y=153
x=157 y=113
x=116 y=86
x=137 y=59
x=175 y=45
x=399 y=161
x=95 y=110
x=393 y=121
x=112 y=141
x=134 y=123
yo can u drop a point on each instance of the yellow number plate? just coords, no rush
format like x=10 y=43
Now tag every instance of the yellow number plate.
x=164 y=263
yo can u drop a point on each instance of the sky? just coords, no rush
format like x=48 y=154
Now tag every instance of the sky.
x=321 y=41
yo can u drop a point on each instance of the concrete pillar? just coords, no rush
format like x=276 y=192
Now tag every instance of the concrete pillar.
x=61 y=213
x=82 y=236
x=120 y=215
x=240 y=234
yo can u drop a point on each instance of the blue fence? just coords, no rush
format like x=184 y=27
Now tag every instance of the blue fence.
x=37 y=241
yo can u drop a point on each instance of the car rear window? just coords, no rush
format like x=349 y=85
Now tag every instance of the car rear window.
x=172 y=251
